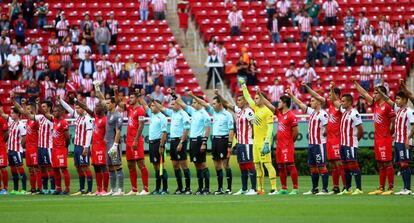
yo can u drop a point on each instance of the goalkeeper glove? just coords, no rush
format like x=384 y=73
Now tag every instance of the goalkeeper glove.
x=266 y=148
x=113 y=150
x=241 y=80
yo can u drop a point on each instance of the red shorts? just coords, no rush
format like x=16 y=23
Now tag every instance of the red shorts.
x=383 y=149
x=59 y=158
x=286 y=155
x=333 y=149
x=135 y=154
x=98 y=155
x=32 y=159
x=3 y=158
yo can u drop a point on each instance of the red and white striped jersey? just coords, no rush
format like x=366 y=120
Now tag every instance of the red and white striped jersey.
x=385 y=26
x=365 y=72
x=221 y=53
x=349 y=122
x=52 y=42
x=77 y=79
x=392 y=39
x=104 y=64
x=66 y=53
x=362 y=23
x=117 y=66
x=155 y=69
x=61 y=92
x=275 y=26
x=113 y=26
x=50 y=89
x=99 y=76
x=137 y=76
x=83 y=124
x=62 y=26
x=403 y=122
x=235 y=18
x=401 y=45
x=17 y=130
x=283 y=7
x=275 y=92
x=317 y=126
x=367 y=38
x=143 y=4
x=367 y=51
x=244 y=128
x=41 y=62
x=380 y=40
x=330 y=8
x=410 y=31
x=87 y=85
x=159 y=5
x=168 y=68
x=292 y=72
x=28 y=61
x=378 y=71
x=308 y=75
x=91 y=102
x=172 y=53
x=45 y=131
x=305 y=24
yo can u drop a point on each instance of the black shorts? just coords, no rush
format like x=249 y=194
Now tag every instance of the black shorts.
x=154 y=151
x=219 y=147
x=196 y=155
x=178 y=156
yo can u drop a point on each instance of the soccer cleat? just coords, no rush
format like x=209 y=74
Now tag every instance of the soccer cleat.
x=388 y=192
x=64 y=193
x=164 y=192
x=77 y=193
x=357 y=192
x=118 y=193
x=3 y=192
x=273 y=192
x=199 y=192
x=22 y=192
x=294 y=192
x=143 y=193
x=155 y=192
x=131 y=193
x=335 y=190
x=404 y=192
x=188 y=191
x=90 y=194
x=206 y=191
x=14 y=192
x=376 y=192
x=178 y=191
x=312 y=192
x=345 y=192
x=56 y=192
x=52 y=192
x=251 y=192
x=240 y=192
x=228 y=192
x=283 y=192
x=109 y=193
x=260 y=192
x=322 y=193
x=219 y=192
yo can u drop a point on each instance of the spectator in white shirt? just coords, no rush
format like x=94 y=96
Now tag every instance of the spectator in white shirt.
x=82 y=50
x=308 y=76
x=276 y=91
x=235 y=19
x=13 y=62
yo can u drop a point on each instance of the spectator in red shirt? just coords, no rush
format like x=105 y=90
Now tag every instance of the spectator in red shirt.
x=183 y=18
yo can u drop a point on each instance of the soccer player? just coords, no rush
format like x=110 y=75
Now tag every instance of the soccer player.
x=81 y=153
x=351 y=132
x=244 y=147
x=223 y=134
x=16 y=142
x=199 y=133
x=4 y=175
x=317 y=143
x=179 y=128
x=263 y=130
x=333 y=136
x=157 y=139
x=98 y=151
x=404 y=132
x=384 y=118
x=287 y=133
x=135 y=144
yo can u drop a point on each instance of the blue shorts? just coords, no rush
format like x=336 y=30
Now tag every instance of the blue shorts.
x=402 y=154
x=15 y=158
x=244 y=153
x=79 y=159
x=44 y=156
x=317 y=154
x=348 y=153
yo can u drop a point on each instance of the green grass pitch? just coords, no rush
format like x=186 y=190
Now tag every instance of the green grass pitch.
x=172 y=208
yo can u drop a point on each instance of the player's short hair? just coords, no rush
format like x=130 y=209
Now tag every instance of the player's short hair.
x=217 y=99
x=48 y=103
x=32 y=104
x=337 y=91
x=383 y=89
x=201 y=97
x=135 y=93
x=402 y=95
x=285 y=99
x=15 y=110
x=348 y=97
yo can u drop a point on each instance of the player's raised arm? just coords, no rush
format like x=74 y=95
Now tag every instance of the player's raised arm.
x=68 y=108
x=334 y=98
x=385 y=97
x=313 y=93
x=2 y=114
x=199 y=100
x=22 y=108
x=246 y=93
x=227 y=105
x=160 y=106
x=362 y=91
x=296 y=100
x=404 y=88
x=267 y=103
x=98 y=91
x=143 y=103
x=84 y=107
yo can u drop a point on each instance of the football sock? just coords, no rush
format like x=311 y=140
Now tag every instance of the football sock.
x=253 y=178
x=244 y=179
x=105 y=180
x=382 y=177
x=81 y=175
x=325 y=178
x=112 y=180
x=348 y=179
x=165 y=180
x=200 y=179
x=206 y=175
x=259 y=176
x=406 y=175
x=390 y=174
x=22 y=173
x=120 y=179
x=229 y=176
x=341 y=172
x=272 y=175
x=187 y=177
x=98 y=176
x=32 y=179
x=45 y=178
x=357 y=175
x=5 y=178
x=66 y=176
x=15 y=176
x=144 y=177
x=157 y=180
x=179 y=178
x=89 y=179
x=335 y=176
x=133 y=178
x=39 y=179
x=283 y=176
x=58 y=179
x=294 y=175
x=315 y=180
x=220 y=178
x=52 y=180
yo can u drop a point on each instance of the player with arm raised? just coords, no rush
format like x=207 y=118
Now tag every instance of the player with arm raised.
x=179 y=129
x=317 y=143
x=287 y=133
x=384 y=118
x=199 y=133
x=16 y=143
x=83 y=139
x=263 y=135
x=223 y=134
x=333 y=136
x=404 y=132
x=157 y=140
x=351 y=132
x=4 y=175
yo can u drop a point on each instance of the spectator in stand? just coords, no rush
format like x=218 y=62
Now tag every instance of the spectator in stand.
x=58 y=16
x=378 y=72
x=387 y=59
x=328 y=51
x=350 y=52
x=4 y=24
x=61 y=91
x=82 y=50
x=409 y=35
x=76 y=79
x=3 y=63
x=252 y=73
x=156 y=71
x=66 y=52
x=242 y=68
x=111 y=79
x=60 y=75
x=235 y=19
x=158 y=95
x=330 y=8
x=34 y=47
x=168 y=72
x=143 y=9
x=137 y=78
x=378 y=54
x=74 y=33
x=62 y=28
x=117 y=64
x=91 y=101
x=276 y=91
x=54 y=60
x=100 y=75
x=363 y=21
x=20 y=29
x=149 y=82
x=398 y=29
x=361 y=105
x=401 y=51
x=221 y=54
x=87 y=34
x=104 y=63
x=308 y=75
x=384 y=26
x=28 y=63
x=292 y=71
x=87 y=66
x=367 y=37
x=318 y=88
x=367 y=51
x=52 y=42
x=41 y=12
x=50 y=88
x=283 y=10
x=113 y=26
x=305 y=26
x=313 y=9
x=311 y=51
x=270 y=8
x=379 y=40
x=392 y=42
x=274 y=30
x=13 y=45
x=160 y=8
x=86 y=21
x=172 y=52
x=19 y=90
x=13 y=62
x=20 y=49
x=365 y=72
x=33 y=91
x=349 y=24
x=28 y=12
x=187 y=99
x=41 y=65
x=212 y=44
x=87 y=85
x=98 y=20
x=131 y=64
x=182 y=13
x=14 y=10
x=102 y=38
x=123 y=79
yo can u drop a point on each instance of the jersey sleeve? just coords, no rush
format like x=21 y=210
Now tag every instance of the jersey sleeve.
x=410 y=115
x=210 y=109
x=391 y=113
x=396 y=108
x=186 y=120
x=168 y=112
x=65 y=126
x=309 y=110
x=118 y=120
x=293 y=120
x=324 y=118
x=207 y=121
x=230 y=123
x=269 y=116
x=356 y=118
x=163 y=123
x=190 y=110
x=37 y=117
x=250 y=115
x=22 y=129
x=89 y=123
x=148 y=111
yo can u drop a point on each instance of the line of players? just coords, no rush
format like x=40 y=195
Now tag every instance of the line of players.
x=333 y=136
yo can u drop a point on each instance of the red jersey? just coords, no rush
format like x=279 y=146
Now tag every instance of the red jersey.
x=32 y=133
x=285 y=123
x=3 y=128
x=334 y=122
x=134 y=114
x=383 y=113
x=59 y=129
x=98 y=135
